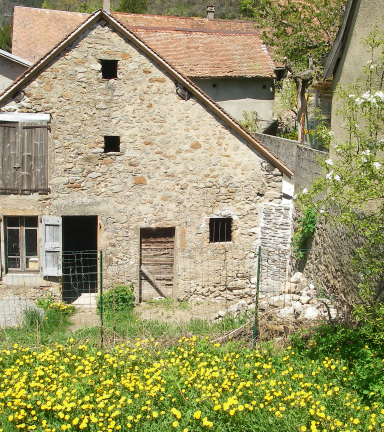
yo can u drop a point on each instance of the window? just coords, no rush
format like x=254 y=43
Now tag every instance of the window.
x=111 y=144
x=109 y=69
x=21 y=243
x=23 y=153
x=220 y=230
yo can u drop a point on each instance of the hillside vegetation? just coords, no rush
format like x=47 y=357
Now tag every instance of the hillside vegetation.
x=225 y=9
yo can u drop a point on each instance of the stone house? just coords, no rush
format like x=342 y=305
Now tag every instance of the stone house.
x=11 y=67
x=348 y=55
x=225 y=58
x=105 y=146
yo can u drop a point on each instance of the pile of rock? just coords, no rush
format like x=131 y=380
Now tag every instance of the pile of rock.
x=296 y=300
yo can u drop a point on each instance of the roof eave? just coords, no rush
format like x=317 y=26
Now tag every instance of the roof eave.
x=338 y=46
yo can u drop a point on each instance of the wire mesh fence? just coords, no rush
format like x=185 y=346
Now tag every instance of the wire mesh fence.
x=209 y=291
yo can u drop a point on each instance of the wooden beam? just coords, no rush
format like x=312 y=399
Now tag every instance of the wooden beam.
x=153 y=281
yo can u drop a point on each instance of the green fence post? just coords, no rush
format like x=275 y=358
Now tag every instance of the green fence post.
x=255 y=329
x=101 y=299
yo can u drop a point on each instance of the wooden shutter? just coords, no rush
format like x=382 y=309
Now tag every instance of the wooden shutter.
x=52 y=265
x=23 y=157
x=9 y=158
x=34 y=157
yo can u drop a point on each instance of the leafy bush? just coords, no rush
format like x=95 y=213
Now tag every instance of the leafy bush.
x=45 y=302
x=305 y=231
x=48 y=304
x=356 y=347
x=118 y=298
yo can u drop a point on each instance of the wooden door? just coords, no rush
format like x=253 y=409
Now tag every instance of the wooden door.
x=157 y=247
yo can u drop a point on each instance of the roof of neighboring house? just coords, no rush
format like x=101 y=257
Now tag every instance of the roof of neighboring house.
x=162 y=62
x=198 y=47
x=338 y=46
x=14 y=58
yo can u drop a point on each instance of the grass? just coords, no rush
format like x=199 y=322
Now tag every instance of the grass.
x=192 y=385
x=55 y=326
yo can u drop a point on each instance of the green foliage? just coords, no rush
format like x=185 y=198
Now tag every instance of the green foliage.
x=192 y=384
x=33 y=318
x=357 y=347
x=306 y=230
x=250 y=121
x=351 y=193
x=45 y=303
x=5 y=38
x=87 y=7
x=297 y=29
x=133 y=6
x=48 y=304
x=118 y=298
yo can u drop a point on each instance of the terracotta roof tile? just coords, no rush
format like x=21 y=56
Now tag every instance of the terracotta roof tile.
x=37 y=31
x=198 y=47
x=200 y=54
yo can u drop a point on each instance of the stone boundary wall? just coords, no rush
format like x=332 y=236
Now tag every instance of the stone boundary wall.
x=302 y=159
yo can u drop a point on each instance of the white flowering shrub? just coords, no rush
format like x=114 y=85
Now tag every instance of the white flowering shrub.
x=353 y=181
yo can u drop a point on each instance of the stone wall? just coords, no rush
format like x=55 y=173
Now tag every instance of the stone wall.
x=178 y=166
x=328 y=264
x=303 y=160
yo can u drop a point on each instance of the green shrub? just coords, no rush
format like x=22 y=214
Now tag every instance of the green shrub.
x=305 y=231
x=48 y=304
x=356 y=347
x=45 y=302
x=118 y=298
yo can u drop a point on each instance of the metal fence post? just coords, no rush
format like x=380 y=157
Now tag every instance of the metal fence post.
x=255 y=329
x=101 y=306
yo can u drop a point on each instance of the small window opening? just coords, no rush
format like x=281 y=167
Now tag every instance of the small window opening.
x=264 y=86
x=109 y=69
x=111 y=144
x=213 y=85
x=220 y=230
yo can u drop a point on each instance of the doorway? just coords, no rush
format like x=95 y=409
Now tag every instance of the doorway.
x=79 y=256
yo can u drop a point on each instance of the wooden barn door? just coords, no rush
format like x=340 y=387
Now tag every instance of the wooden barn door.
x=157 y=247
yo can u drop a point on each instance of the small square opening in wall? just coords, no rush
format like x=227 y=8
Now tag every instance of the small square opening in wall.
x=109 y=69
x=111 y=144
x=220 y=230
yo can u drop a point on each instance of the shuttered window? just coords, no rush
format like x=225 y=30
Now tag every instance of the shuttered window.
x=23 y=158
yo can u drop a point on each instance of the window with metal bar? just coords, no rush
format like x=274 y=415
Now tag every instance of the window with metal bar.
x=220 y=230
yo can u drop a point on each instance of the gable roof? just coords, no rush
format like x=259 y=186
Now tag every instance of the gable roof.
x=15 y=59
x=198 y=47
x=338 y=46
x=187 y=83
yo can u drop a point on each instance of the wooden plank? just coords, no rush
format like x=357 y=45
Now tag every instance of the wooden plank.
x=153 y=281
x=26 y=175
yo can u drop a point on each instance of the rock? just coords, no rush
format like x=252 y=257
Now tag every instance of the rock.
x=286 y=312
x=297 y=306
x=289 y=288
x=263 y=305
x=282 y=300
x=296 y=278
x=324 y=300
x=94 y=175
x=305 y=299
x=310 y=313
x=313 y=301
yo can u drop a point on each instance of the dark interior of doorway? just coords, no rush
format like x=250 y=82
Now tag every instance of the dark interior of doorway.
x=79 y=256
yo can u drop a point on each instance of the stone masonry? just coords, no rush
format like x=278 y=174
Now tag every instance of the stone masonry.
x=178 y=166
